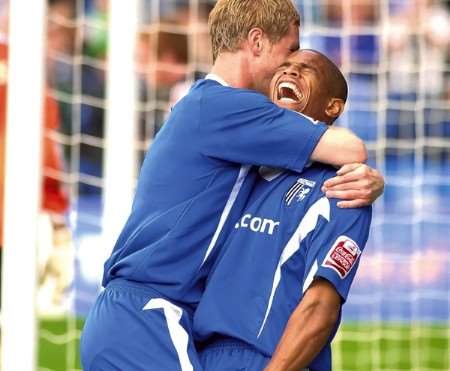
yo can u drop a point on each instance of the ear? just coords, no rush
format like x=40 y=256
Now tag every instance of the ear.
x=255 y=39
x=335 y=107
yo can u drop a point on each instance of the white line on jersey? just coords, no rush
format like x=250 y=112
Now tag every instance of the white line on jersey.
x=307 y=225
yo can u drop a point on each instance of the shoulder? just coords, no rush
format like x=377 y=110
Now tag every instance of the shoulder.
x=359 y=217
x=319 y=173
x=214 y=93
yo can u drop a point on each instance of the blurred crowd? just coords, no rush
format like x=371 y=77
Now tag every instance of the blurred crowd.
x=396 y=56
x=166 y=62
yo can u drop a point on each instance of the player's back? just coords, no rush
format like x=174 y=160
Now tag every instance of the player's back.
x=193 y=186
x=179 y=197
x=273 y=254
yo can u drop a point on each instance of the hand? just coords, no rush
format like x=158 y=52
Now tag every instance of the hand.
x=358 y=184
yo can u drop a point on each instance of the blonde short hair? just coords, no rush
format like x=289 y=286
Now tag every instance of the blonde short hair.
x=231 y=20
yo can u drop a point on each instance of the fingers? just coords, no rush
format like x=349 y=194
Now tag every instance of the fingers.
x=353 y=204
x=348 y=168
x=350 y=173
x=355 y=185
x=342 y=179
x=352 y=194
x=337 y=180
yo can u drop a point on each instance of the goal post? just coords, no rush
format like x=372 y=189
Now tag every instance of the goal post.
x=22 y=182
x=121 y=97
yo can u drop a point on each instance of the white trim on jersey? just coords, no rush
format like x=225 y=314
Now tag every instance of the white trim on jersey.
x=269 y=174
x=226 y=211
x=307 y=225
x=315 y=122
x=310 y=277
x=178 y=334
x=212 y=76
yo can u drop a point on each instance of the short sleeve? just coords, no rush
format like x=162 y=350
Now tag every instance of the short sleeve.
x=335 y=247
x=245 y=127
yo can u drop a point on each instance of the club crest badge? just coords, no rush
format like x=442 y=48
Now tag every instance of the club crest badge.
x=299 y=190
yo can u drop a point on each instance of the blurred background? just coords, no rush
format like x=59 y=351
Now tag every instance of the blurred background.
x=396 y=57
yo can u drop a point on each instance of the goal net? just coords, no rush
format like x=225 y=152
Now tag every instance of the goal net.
x=396 y=57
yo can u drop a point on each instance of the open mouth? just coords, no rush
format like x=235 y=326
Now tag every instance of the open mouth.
x=288 y=93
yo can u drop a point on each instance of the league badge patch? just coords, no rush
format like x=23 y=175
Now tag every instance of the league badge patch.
x=299 y=190
x=342 y=256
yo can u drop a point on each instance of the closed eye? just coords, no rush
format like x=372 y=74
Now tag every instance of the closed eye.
x=284 y=66
x=294 y=48
x=304 y=66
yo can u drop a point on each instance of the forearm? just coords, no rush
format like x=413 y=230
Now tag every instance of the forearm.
x=300 y=344
x=306 y=332
x=339 y=146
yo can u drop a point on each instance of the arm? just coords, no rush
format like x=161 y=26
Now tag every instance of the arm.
x=357 y=184
x=308 y=328
x=249 y=129
x=335 y=246
x=339 y=146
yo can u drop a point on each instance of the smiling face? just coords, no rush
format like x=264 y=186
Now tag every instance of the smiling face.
x=302 y=84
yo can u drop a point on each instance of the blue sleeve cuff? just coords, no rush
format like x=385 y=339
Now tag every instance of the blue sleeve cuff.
x=338 y=283
x=310 y=144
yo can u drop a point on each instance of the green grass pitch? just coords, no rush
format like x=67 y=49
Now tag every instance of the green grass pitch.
x=358 y=346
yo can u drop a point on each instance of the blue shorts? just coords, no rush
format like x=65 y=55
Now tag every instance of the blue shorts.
x=231 y=355
x=227 y=354
x=131 y=327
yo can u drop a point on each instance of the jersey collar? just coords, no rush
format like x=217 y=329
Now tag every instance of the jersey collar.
x=212 y=76
x=269 y=173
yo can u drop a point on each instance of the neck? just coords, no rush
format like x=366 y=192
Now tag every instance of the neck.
x=234 y=69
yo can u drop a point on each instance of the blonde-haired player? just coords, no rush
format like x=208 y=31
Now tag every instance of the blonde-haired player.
x=193 y=186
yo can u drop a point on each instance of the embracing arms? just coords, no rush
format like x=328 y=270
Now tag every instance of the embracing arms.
x=250 y=130
x=339 y=146
x=356 y=184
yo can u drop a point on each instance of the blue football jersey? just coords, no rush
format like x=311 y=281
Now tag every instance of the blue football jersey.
x=195 y=181
x=289 y=234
